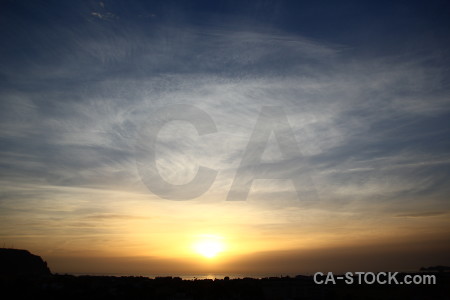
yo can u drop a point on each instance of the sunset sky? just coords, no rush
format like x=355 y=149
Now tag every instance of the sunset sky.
x=124 y=125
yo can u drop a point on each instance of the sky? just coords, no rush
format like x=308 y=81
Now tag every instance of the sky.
x=146 y=137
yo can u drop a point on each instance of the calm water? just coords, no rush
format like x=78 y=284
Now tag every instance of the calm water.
x=215 y=275
x=192 y=276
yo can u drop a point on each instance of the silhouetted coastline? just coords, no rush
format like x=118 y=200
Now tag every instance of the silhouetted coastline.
x=43 y=285
x=299 y=287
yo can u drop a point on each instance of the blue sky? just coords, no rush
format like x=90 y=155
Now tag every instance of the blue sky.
x=364 y=85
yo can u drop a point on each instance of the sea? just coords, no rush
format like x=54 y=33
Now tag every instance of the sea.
x=191 y=276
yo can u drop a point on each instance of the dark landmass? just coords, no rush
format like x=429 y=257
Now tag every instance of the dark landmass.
x=16 y=262
x=436 y=269
x=26 y=276
x=174 y=288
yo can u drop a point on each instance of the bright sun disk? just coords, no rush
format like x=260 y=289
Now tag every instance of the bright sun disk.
x=209 y=246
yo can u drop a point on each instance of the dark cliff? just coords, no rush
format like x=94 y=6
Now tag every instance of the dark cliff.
x=15 y=262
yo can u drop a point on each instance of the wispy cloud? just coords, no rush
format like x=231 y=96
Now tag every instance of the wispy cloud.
x=422 y=214
x=353 y=114
x=373 y=131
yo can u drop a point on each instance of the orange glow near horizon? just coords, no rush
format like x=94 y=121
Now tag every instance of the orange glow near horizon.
x=138 y=235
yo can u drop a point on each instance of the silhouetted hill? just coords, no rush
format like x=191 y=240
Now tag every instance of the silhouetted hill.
x=16 y=262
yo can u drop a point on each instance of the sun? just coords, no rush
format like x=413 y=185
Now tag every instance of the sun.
x=209 y=246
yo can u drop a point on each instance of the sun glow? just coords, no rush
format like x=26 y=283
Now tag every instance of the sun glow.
x=209 y=246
